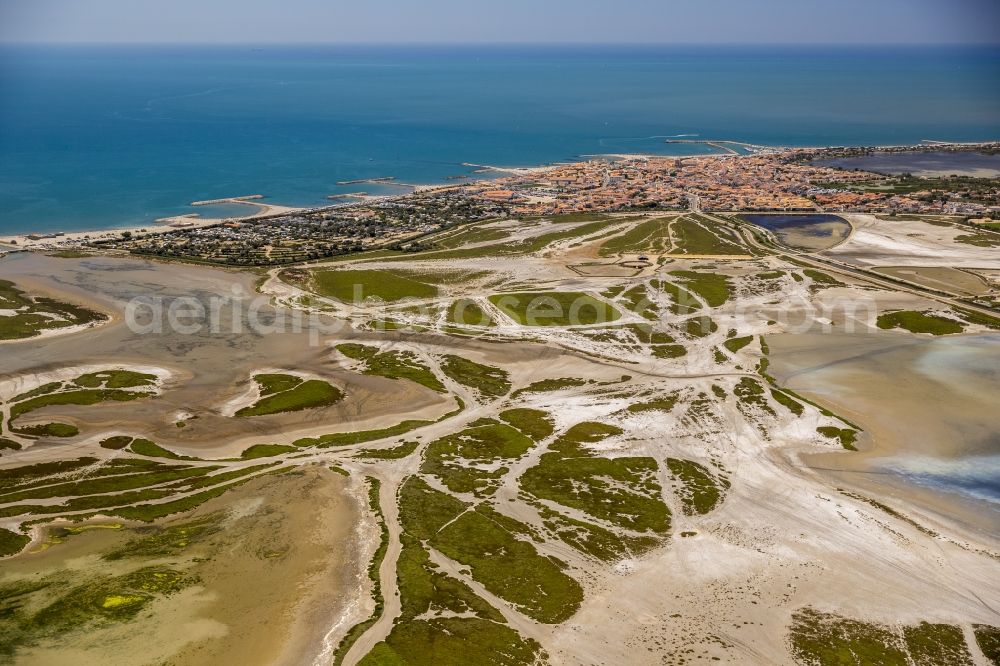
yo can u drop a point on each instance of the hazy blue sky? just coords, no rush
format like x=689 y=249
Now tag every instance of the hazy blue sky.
x=676 y=21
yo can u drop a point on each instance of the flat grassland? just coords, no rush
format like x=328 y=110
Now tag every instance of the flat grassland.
x=567 y=308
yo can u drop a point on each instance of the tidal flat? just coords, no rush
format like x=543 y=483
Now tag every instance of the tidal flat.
x=928 y=406
x=290 y=534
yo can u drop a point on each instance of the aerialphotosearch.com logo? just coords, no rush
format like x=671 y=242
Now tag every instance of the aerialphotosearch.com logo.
x=645 y=304
x=226 y=314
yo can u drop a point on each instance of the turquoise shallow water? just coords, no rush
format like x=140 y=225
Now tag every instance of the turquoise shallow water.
x=103 y=136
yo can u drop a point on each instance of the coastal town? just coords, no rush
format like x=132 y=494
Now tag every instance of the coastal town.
x=759 y=180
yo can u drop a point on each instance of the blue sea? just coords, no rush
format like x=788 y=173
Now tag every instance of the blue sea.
x=94 y=137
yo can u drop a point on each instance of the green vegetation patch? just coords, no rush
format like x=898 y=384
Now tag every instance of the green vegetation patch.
x=692 y=236
x=481 y=539
x=669 y=351
x=356 y=286
x=821 y=280
x=115 y=379
x=468 y=312
x=637 y=300
x=486 y=379
x=622 y=492
x=650 y=236
x=287 y=393
x=49 y=430
x=555 y=308
x=392 y=364
x=404 y=450
x=919 y=322
x=41 y=390
x=471 y=461
x=661 y=404
x=700 y=327
x=750 y=394
x=12 y=543
x=820 y=639
x=736 y=344
x=988 y=639
x=534 y=423
x=715 y=289
x=25 y=475
x=116 y=443
x=548 y=385
x=92 y=485
x=144 y=447
x=793 y=405
x=360 y=437
x=266 y=451
x=444 y=623
x=681 y=300
x=9 y=444
x=85 y=397
x=510 y=568
x=847 y=436
x=699 y=490
x=932 y=644
x=37 y=314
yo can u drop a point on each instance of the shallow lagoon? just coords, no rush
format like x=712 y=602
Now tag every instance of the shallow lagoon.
x=925 y=165
x=928 y=405
x=806 y=232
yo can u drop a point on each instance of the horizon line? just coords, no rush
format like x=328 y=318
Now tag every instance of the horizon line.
x=486 y=43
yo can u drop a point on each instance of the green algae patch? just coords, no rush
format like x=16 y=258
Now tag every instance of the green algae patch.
x=487 y=379
x=919 y=322
x=287 y=393
x=392 y=364
x=110 y=599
